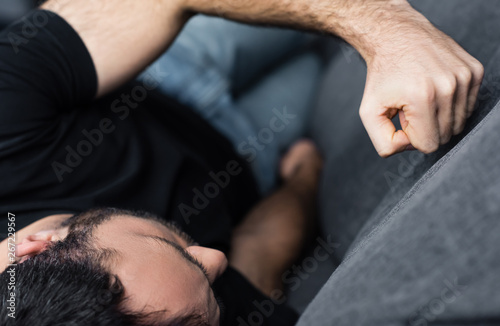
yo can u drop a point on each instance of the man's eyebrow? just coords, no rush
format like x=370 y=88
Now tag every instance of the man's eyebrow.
x=181 y=250
x=191 y=260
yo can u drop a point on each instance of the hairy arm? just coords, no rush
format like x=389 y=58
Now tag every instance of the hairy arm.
x=124 y=36
x=414 y=70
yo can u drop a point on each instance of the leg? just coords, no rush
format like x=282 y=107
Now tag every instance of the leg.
x=273 y=234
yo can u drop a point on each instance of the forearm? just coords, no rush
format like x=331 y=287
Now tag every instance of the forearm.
x=362 y=23
x=414 y=69
x=124 y=36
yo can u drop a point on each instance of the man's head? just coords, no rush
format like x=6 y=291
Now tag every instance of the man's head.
x=109 y=265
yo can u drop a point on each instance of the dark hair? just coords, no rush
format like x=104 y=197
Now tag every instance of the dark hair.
x=69 y=285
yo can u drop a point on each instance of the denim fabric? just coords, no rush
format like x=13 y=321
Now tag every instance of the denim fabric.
x=227 y=73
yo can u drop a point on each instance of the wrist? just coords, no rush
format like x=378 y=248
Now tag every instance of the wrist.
x=375 y=26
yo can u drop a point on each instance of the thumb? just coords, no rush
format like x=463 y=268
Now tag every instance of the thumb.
x=377 y=121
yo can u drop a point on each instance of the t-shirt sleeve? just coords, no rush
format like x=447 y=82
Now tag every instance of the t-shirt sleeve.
x=45 y=71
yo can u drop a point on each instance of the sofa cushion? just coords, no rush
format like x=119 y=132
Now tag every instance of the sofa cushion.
x=433 y=258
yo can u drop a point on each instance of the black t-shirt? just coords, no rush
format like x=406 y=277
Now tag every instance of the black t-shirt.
x=63 y=152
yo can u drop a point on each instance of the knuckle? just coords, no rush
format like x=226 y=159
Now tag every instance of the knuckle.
x=384 y=149
x=430 y=147
x=464 y=74
x=478 y=70
x=384 y=152
x=362 y=110
x=363 y=113
x=424 y=92
x=447 y=86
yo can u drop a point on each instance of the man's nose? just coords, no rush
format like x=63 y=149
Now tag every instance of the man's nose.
x=213 y=260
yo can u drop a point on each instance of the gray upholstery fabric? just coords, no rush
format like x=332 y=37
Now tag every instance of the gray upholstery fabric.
x=356 y=179
x=434 y=256
x=411 y=225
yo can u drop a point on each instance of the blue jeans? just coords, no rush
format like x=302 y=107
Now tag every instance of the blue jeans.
x=255 y=85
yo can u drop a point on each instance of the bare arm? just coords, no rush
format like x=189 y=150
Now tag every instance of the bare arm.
x=122 y=36
x=414 y=70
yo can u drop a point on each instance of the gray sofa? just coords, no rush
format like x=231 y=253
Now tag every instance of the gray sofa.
x=417 y=237
x=413 y=239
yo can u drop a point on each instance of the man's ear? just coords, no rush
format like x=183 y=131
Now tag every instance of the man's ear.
x=34 y=244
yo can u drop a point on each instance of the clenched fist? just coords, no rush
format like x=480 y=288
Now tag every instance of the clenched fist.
x=420 y=73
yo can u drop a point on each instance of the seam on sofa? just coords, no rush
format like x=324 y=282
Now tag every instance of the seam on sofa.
x=418 y=185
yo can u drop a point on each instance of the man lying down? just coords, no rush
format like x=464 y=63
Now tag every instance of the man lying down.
x=81 y=263
x=74 y=139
